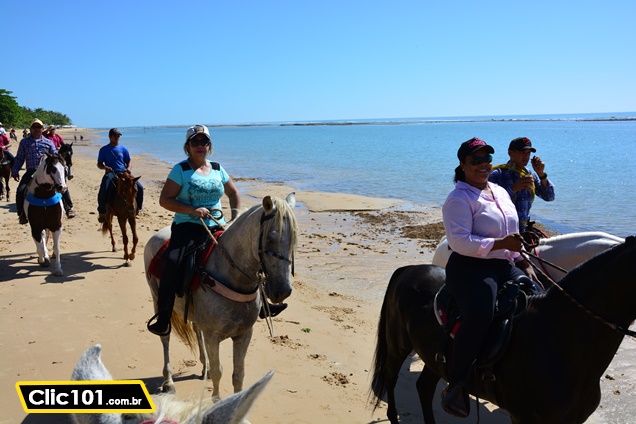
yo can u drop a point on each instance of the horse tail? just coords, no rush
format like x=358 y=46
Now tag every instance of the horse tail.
x=184 y=331
x=381 y=357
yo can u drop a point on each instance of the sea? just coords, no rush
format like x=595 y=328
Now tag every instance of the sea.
x=590 y=158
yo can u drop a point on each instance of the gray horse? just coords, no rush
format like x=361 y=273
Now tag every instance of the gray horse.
x=256 y=251
x=231 y=410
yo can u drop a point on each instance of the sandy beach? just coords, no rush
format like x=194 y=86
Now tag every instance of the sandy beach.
x=348 y=248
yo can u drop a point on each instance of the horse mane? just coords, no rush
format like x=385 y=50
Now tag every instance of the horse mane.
x=284 y=213
x=590 y=234
x=582 y=273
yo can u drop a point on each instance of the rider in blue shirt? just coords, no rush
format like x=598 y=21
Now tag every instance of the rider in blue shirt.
x=114 y=159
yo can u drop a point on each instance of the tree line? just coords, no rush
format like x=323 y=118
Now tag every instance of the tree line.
x=12 y=115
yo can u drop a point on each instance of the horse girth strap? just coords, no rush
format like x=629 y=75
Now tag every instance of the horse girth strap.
x=227 y=292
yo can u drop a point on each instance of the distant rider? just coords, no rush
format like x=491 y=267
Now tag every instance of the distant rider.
x=114 y=159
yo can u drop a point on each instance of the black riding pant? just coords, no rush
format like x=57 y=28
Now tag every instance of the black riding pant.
x=21 y=192
x=183 y=241
x=474 y=283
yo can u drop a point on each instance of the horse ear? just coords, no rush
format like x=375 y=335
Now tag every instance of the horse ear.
x=291 y=199
x=268 y=204
x=235 y=408
x=90 y=366
x=136 y=179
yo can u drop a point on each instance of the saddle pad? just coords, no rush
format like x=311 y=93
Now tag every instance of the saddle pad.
x=157 y=267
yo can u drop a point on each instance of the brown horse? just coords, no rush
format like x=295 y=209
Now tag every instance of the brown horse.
x=5 y=175
x=124 y=206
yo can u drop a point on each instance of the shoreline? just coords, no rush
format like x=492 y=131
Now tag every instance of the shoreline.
x=344 y=260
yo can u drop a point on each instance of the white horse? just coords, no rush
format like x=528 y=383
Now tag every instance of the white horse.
x=44 y=208
x=261 y=241
x=233 y=409
x=565 y=251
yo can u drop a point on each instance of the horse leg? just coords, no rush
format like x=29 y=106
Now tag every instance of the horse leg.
x=40 y=244
x=239 y=351
x=203 y=355
x=135 y=239
x=168 y=383
x=124 y=235
x=212 y=343
x=109 y=220
x=56 y=252
x=426 y=385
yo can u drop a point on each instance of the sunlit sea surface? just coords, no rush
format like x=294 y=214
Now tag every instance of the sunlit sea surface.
x=590 y=158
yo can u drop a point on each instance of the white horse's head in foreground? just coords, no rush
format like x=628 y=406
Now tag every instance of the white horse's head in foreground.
x=231 y=410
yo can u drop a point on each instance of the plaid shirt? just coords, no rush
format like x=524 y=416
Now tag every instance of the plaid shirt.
x=506 y=177
x=30 y=151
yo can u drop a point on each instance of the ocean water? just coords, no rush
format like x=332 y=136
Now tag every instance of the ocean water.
x=589 y=158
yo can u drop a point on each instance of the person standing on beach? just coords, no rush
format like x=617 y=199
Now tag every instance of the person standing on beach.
x=29 y=152
x=114 y=159
x=481 y=227
x=522 y=184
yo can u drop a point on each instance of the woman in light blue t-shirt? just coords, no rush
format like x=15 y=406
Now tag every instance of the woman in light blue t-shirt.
x=193 y=190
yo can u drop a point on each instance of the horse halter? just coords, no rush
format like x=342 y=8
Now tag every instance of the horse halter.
x=50 y=169
x=264 y=251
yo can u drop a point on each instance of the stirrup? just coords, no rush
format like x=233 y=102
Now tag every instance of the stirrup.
x=153 y=331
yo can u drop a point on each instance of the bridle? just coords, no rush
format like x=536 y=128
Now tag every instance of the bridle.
x=261 y=274
x=613 y=326
x=50 y=169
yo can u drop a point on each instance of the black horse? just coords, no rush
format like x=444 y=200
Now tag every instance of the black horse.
x=66 y=151
x=542 y=377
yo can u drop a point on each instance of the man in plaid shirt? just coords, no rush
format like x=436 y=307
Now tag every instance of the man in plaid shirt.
x=29 y=153
x=523 y=184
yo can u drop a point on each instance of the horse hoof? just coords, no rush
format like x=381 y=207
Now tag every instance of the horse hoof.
x=114 y=250
x=58 y=273
x=46 y=263
x=127 y=264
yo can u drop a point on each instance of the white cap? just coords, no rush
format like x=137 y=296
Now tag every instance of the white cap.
x=196 y=130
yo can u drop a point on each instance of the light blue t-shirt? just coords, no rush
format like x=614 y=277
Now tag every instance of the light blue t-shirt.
x=199 y=191
x=115 y=157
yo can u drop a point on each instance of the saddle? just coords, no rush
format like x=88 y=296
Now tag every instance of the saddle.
x=192 y=266
x=512 y=301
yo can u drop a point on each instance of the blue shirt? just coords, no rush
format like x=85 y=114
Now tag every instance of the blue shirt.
x=115 y=157
x=506 y=177
x=199 y=191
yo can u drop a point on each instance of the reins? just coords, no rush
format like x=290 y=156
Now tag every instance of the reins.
x=615 y=327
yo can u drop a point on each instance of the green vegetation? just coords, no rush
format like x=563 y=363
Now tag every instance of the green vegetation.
x=12 y=115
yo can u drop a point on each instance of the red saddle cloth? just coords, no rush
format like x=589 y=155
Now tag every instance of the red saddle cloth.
x=157 y=265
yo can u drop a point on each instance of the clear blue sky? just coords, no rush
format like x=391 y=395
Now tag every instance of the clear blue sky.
x=128 y=63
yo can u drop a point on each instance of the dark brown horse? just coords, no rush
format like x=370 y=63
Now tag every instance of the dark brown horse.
x=66 y=151
x=5 y=175
x=543 y=376
x=123 y=205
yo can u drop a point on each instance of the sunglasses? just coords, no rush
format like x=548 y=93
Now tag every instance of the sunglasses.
x=199 y=143
x=477 y=160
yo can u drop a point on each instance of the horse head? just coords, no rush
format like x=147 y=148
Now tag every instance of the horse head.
x=268 y=234
x=66 y=151
x=51 y=171
x=232 y=409
x=127 y=189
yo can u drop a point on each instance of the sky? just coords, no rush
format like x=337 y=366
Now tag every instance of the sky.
x=148 y=63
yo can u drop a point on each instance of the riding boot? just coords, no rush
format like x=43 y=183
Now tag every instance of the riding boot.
x=455 y=400
x=274 y=309
x=165 y=303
